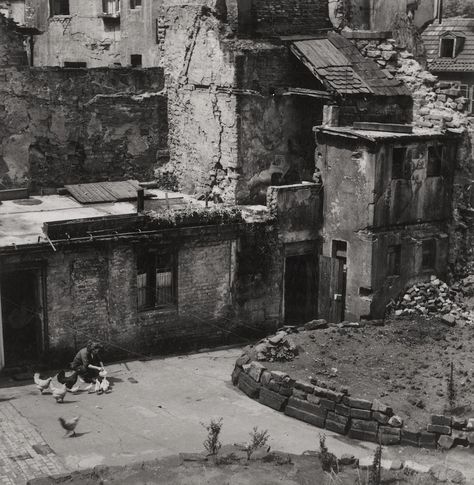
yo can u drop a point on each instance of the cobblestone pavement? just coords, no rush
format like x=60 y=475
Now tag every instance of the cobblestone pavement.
x=23 y=452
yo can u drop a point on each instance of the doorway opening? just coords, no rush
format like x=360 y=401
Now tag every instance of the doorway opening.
x=300 y=288
x=22 y=316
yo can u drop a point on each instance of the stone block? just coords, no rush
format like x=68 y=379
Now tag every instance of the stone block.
x=307 y=407
x=265 y=378
x=334 y=395
x=380 y=417
x=242 y=360
x=441 y=420
x=249 y=386
x=273 y=386
x=342 y=410
x=357 y=403
x=427 y=440
x=302 y=415
x=410 y=438
x=337 y=423
x=286 y=391
x=445 y=442
x=278 y=376
x=327 y=404
x=304 y=386
x=272 y=399
x=312 y=398
x=364 y=430
x=380 y=407
x=361 y=414
x=389 y=435
x=255 y=371
x=436 y=428
x=298 y=393
x=235 y=375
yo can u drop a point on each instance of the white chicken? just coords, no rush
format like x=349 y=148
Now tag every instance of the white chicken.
x=59 y=393
x=105 y=385
x=42 y=384
x=97 y=387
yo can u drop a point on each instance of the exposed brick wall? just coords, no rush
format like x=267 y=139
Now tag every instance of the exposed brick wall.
x=68 y=126
x=282 y=17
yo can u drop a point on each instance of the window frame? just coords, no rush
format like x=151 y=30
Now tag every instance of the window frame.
x=148 y=260
x=135 y=4
x=53 y=11
x=430 y=252
x=434 y=164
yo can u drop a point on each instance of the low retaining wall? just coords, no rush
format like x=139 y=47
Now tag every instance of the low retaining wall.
x=339 y=412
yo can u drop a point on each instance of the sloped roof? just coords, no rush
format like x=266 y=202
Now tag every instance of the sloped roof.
x=339 y=65
x=458 y=26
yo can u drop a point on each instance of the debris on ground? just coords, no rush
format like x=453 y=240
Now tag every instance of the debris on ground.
x=437 y=298
x=277 y=348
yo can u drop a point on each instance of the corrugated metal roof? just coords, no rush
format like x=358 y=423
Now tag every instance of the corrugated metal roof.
x=338 y=64
x=94 y=193
x=461 y=27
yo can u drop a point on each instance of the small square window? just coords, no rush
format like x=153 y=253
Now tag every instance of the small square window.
x=401 y=163
x=435 y=161
x=447 y=48
x=58 y=7
x=428 y=254
x=135 y=4
x=156 y=279
x=394 y=258
x=136 y=60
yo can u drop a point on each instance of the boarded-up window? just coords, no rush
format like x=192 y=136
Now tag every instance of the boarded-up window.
x=394 y=256
x=156 y=278
x=59 y=7
x=429 y=254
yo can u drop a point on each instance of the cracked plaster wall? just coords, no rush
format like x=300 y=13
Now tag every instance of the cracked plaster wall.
x=229 y=128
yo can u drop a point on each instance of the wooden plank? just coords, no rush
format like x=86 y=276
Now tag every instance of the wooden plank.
x=324 y=290
x=391 y=127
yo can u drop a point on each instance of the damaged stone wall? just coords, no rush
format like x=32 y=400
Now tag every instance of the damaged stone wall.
x=95 y=125
x=12 y=50
x=231 y=127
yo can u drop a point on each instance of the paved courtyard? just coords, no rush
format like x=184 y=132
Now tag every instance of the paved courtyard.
x=156 y=409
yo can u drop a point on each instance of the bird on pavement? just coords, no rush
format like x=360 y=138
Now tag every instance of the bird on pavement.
x=69 y=425
x=42 y=384
x=69 y=381
x=59 y=393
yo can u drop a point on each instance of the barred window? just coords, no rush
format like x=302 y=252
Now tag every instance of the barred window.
x=135 y=4
x=156 y=279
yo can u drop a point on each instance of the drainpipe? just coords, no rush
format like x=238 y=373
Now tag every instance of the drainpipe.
x=440 y=11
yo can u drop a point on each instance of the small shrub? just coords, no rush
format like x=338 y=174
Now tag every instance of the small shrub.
x=328 y=460
x=258 y=439
x=212 y=443
x=376 y=471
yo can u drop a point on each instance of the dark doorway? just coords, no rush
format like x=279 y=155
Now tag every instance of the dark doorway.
x=21 y=316
x=300 y=288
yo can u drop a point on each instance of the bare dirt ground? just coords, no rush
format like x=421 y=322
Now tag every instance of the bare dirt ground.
x=405 y=364
x=232 y=468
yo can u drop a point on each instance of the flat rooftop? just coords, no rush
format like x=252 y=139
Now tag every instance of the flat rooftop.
x=21 y=220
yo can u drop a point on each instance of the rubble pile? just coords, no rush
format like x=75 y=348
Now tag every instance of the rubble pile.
x=277 y=348
x=437 y=298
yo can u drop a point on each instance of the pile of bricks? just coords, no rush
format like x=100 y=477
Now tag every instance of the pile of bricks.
x=277 y=348
x=339 y=412
x=437 y=298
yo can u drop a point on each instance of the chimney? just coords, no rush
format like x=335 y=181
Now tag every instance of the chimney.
x=140 y=200
x=440 y=11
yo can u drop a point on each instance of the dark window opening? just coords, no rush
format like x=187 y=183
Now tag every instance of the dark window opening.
x=135 y=4
x=59 y=7
x=339 y=250
x=75 y=65
x=401 y=163
x=156 y=280
x=435 y=161
x=394 y=258
x=136 y=60
x=447 y=48
x=428 y=254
